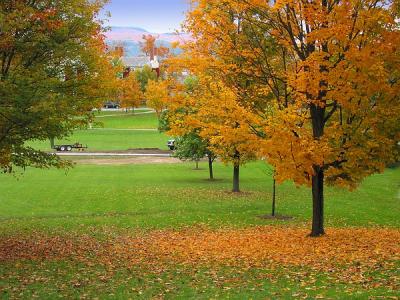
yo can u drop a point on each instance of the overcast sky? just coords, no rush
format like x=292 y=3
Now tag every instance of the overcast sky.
x=156 y=16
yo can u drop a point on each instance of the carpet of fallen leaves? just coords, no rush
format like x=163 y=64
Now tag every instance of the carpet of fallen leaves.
x=255 y=246
x=348 y=254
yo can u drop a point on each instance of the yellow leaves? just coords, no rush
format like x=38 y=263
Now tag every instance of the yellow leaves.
x=251 y=247
x=130 y=94
x=344 y=60
x=157 y=95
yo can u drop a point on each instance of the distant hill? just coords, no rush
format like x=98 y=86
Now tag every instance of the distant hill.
x=132 y=36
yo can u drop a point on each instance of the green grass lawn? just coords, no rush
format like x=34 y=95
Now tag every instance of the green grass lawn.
x=119 y=132
x=129 y=121
x=157 y=196
x=120 y=112
x=111 y=139
x=103 y=201
x=107 y=203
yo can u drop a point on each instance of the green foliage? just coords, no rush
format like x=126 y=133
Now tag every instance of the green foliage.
x=190 y=147
x=53 y=72
x=144 y=75
x=190 y=83
x=163 y=122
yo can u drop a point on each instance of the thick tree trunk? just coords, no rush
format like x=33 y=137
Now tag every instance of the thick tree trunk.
x=210 y=167
x=318 y=123
x=318 y=202
x=197 y=164
x=236 y=188
x=273 y=197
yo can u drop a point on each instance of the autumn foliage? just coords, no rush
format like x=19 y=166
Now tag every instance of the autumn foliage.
x=131 y=95
x=157 y=95
x=313 y=86
x=345 y=255
x=150 y=48
x=54 y=71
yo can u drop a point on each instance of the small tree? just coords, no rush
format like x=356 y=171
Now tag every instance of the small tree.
x=144 y=75
x=157 y=96
x=151 y=48
x=189 y=146
x=131 y=93
x=192 y=147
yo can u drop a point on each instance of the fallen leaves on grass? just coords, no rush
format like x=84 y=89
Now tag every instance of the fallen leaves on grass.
x=363 y=257
x=254 y=246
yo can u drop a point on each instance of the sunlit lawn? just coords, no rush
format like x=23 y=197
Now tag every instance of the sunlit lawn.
x=129 y=121
x=104 y=201
x=112 y=139
x=157 y=196
x=120 y=132
x=91 y=232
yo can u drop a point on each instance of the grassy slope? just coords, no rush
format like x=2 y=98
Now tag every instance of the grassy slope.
x=150 y=196
x=89 y=199
x=113 y=137
x=130 y=121
x=162 y=196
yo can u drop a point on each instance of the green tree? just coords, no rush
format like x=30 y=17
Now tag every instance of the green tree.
x=144 y=75
x=192 y=147
x=53 y=72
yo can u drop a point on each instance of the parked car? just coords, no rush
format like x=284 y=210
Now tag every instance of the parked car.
x=171 y=144
x=111 y=105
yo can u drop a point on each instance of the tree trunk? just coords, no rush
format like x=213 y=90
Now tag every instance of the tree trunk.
x=52 y=143
x=236 y=188
x=210 y=167
x=318 y=123
x=197 y=164
x=273 y=196
x=318 y=202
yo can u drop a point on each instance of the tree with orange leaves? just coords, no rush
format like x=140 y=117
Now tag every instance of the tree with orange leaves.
x=150 y=48
x=211 y=111
x=226 y=125
x=327 y=110
x=131 y=93
x=157 y=95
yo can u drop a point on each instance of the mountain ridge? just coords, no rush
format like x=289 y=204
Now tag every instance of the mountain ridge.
x=131 y=37
x=127 y=33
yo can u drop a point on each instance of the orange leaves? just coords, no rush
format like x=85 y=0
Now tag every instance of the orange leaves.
x=157 y=95
x=131 y=93
x=280 y=61
x=150 y=48
x=283 y=246
x=354 y=259
x=272 y=247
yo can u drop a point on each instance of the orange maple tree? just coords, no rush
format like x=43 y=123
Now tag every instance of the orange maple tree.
x=157 y=95
x=131 y=94
x=320 y=77
x=150 y=48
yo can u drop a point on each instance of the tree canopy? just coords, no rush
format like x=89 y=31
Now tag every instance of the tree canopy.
x=54 y=70
x=311 y=86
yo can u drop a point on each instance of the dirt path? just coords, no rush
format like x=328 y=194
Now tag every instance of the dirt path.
x=128 y=161
x=121 y=157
